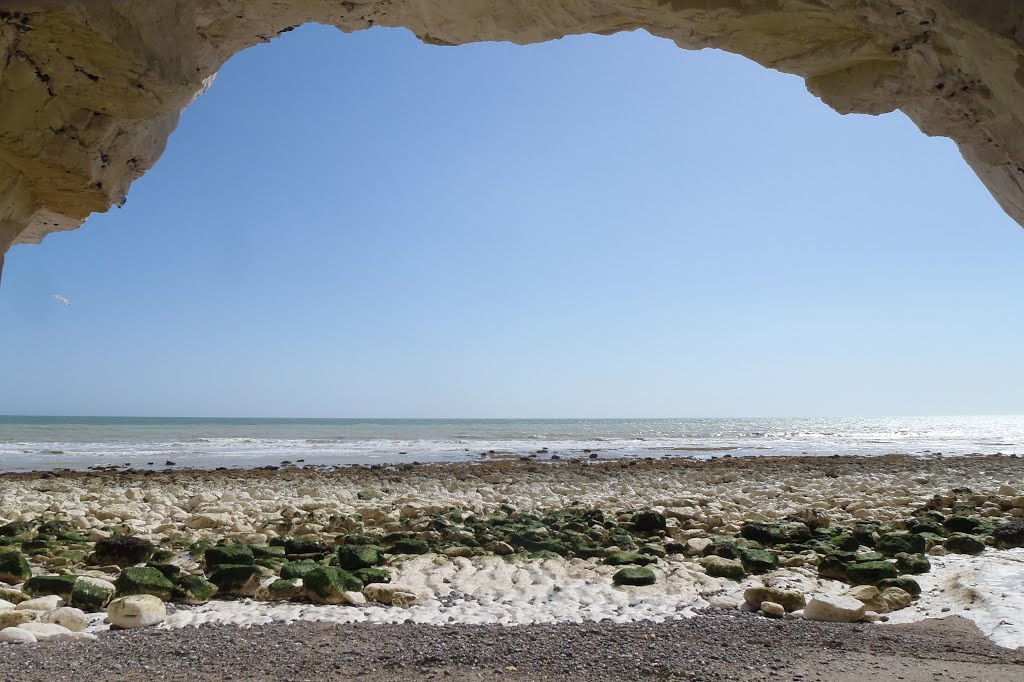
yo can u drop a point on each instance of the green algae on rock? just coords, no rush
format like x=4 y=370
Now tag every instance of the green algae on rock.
x=634 y=575
x=143 y=580
x=14 y=567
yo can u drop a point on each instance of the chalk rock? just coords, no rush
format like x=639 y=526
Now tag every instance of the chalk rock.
x=387 y=593
x=772 y=610
x=207 y=521
x=137 y=610
x=51 y=632
x=47 y=603
x=15 y=635
x=834 y=609
x=71 y=618
x=10 y=619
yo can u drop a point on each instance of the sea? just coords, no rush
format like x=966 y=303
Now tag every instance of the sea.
x=48 y=443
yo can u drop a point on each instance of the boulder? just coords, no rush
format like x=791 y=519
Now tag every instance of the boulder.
x=230 y=555
x=40 y=585
x=192 y=590
x=758 y=560
x=51 y=632
x=721 y=567
x=373 y=575
x=236 y=580
x=354 y=557
x=791 y=600
x=14 y=567
x=634 y=575
x=649 y=521
x=91 y=594
x=629 y=558
x=281 y=590
x=870 y=572
x=961 y=543
x=891 y=544
x=10 y=619
x=135 y=611
x=912 y=563
x=71 y=618
x=834 y=609
x=870 y=596
x=143 y=580
x=122 y=551
x=394 y=595
x=896 y=598
x=297 y=569
x=47 y=603
x=327 y=585
x=908 y=585
x=1008 y=535
x=15 y=635
x=409 y=546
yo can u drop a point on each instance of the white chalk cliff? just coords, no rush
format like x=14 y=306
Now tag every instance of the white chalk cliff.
x=91 y=89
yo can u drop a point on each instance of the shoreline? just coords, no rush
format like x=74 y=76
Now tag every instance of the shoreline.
x=463 y=577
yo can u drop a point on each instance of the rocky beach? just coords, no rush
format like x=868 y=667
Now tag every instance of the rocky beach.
x=95 y=560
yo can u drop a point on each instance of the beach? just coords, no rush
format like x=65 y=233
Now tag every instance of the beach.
x=445 y=547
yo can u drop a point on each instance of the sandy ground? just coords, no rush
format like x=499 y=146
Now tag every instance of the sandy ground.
x=705 y=648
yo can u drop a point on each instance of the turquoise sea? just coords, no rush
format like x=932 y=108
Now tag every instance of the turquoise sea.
x=80 y=442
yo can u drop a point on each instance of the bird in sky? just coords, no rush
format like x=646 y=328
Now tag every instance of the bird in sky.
x=60 y=299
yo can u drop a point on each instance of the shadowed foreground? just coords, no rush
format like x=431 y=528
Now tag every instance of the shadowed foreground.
x=713 y=647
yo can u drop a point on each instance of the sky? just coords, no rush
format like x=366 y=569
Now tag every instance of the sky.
x=360 y=225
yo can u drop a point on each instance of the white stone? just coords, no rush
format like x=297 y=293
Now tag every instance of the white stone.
x=71 y=618
x=772 y=610
x=834 y=609
x=355 y=598
x=5 y=605
x=45 y=631
x=16 y=635
x=387 y=593
x=137 y=610
x=47 y=603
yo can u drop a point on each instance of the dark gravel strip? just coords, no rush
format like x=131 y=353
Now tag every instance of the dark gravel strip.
x=710 y=647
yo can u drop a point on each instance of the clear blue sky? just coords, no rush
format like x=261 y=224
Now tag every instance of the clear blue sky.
x=362 y=225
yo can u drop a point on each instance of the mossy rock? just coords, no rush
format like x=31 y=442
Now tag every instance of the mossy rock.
x=409 y=546
x=908 y=585
x=12 y=596
x=962 y=543
x=266 y=551
x=14 y=567
x=649 y=521
x=39 y=546
x=769 y=533
x=298 y=569
x=861 y=557
x=353 y=557
x=373 y=575
x=628 y=558
x=143 y=580
x=122 y=551
x=916 y=524
x=1009 y=535
x=16 y=528
x=634 y=575
x=356 y=539
x=236 y=580
x=284 y=589
x=586 y=550
x=90 y=595
x=13 y=541
x=543 y=555
x=896 y=542
x=845 y=542
x=192 y=590
x=304 y=546
x=71 y=536
x=912 y=563
x=932 y=540
x=170 y=571
x=327 y=585
x=963 y=524
x=758 y=560
x=722 y=546
x=833 y=566
x=274 y=563
x=228 y=555
x=870 y=572
x=42 y=585
x=653 y=550
x=720 y=567
x=791 y=600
